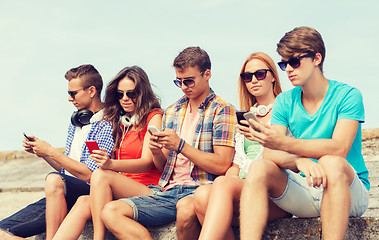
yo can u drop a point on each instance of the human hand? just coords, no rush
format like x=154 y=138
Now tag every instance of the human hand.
x=168 y=139
x=313 y=172
x=40 y=147
x=154 y=146
x=268 y=136
x=102 y=159
x=26 y=144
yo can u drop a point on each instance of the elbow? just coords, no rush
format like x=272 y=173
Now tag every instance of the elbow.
x=86 y=178
x=221 y=169
x=341 y=151
x=147 y=167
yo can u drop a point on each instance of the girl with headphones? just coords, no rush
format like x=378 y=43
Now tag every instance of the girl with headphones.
x=258 y=87
x=130 y=106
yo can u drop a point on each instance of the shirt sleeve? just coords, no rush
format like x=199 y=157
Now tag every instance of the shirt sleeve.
x=278 y=115
x=352 y=106
x=224 y=126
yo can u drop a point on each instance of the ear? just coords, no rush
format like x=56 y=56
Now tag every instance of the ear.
x=207 y=74
x=317 y=59
x=92 y=91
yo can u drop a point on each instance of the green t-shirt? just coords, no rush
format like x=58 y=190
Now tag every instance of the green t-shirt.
x=252 y=149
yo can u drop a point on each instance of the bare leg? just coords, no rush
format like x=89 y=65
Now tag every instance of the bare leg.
x=336 y=200
x=187 y=225
x=118 y=218
x=224 y=194
x=73 y=225
x=56 y=207
x=108 y=185
x=7 y=236
x=264 y=178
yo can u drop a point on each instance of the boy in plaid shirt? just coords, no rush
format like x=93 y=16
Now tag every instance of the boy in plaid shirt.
x=195 y=146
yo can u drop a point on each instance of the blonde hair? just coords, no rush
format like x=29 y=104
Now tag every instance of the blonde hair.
x=246 y=99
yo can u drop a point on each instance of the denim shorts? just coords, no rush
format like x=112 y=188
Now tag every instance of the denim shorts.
x=158 y=207
x=304 y=201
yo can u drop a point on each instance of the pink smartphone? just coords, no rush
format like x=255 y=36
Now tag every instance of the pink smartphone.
x=92 y=145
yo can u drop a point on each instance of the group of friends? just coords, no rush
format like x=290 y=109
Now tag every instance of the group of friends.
x=301 y=158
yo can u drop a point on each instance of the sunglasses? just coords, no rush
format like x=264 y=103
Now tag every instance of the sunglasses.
x=294 y=62
x=73 y=93
x=188 y=82
x=129 y=94
x=259 y=75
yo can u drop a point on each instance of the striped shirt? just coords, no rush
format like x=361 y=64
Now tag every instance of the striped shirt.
x=215 y=128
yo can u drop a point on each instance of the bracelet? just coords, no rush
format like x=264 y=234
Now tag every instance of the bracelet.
x=181 y=145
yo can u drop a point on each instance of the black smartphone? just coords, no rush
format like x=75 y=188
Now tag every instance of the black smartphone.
x=29 y=139
x=241 y=117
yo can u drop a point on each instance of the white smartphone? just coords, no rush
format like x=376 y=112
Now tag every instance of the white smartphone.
x=250 y=115
x=152 y=129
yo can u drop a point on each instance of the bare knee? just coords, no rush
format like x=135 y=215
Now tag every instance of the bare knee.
x=186 y=216
x=114 y=210
x=261 y=171
x=99 y=176
x=201 y=198
x=337 y=169
x=54 y=185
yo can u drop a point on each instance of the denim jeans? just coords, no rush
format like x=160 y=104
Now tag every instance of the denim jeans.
x=30 y=220
x=158 y=207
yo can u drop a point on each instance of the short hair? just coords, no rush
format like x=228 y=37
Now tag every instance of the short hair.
x=302 y=40
x=193 y=57
x=246 y=99
x=88 y=75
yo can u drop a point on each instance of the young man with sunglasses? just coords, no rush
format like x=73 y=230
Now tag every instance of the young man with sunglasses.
x=74 y=167
x=321 y=171
x=195 y=146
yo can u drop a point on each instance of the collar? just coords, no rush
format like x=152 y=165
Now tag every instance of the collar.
x=97 y=116
x=184 y=100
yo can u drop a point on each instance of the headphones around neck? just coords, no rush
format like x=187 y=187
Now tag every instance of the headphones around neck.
x=261 y=110
x=127 y=120
x=81 y=118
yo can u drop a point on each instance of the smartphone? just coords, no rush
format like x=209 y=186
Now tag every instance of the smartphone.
x=250 y=115
x=29 y=139
x=92 y=145
x=152 y=129
x=240 y=117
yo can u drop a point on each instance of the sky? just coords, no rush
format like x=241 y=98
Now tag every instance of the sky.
x=40 y=40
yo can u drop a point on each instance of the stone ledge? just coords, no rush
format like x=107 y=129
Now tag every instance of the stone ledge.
x=289 y=229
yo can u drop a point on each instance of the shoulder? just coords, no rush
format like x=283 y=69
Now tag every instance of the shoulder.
x=154 y=112
x=219 y=104
x=343 y=88
x=289 y=96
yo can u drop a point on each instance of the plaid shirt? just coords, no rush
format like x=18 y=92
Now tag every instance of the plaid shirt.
x=215 y=127
x=101 y=131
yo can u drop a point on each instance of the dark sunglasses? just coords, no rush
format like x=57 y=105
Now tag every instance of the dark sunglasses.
x=294 y=62
x=73 y=93
x=130 y=94
x=188 y=82
x=259 y=75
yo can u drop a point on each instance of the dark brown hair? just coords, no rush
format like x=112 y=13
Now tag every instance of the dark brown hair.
x=145 y=102
x=193 y=57
x=88 y=75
